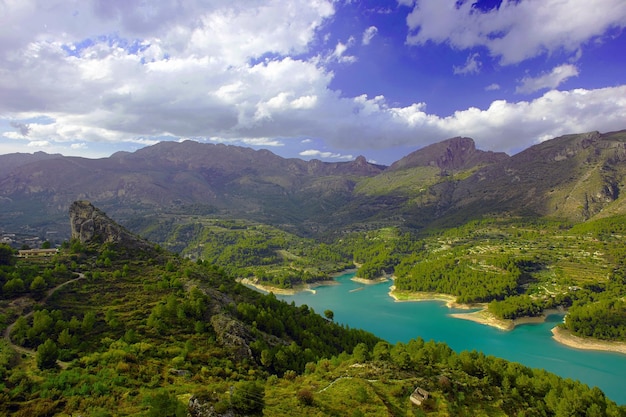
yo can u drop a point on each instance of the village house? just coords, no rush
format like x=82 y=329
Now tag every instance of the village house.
x=28 y=253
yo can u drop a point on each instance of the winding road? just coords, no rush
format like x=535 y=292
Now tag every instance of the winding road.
x=9 y=329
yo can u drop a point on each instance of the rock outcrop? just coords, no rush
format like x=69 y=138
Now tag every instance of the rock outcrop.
x=91 y=225
x=233 y=335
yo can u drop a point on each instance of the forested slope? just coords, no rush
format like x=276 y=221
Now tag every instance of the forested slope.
x=146 y=331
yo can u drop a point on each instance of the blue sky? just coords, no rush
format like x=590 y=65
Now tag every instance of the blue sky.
x=307 y=78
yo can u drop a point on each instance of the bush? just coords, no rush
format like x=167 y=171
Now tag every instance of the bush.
x=248 y=398
x=305 y=397
x=164 y=404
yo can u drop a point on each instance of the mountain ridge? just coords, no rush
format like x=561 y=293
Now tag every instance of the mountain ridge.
x=574 y=177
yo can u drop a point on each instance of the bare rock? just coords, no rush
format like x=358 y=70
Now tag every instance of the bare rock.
x=232 y=334
x=91 y=225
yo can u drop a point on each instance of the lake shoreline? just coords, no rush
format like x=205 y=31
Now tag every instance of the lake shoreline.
x=450 y=300
x=285 y=291
x=369 y=281
x=565 y=337
x=482 y=316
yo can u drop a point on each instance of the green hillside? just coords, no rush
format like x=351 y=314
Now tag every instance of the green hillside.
x=146 y=332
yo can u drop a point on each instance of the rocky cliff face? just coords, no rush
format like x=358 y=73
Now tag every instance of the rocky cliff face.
x=91 y=225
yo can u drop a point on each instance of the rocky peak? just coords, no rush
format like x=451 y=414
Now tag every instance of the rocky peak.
x=451 y=154
x=90 y=225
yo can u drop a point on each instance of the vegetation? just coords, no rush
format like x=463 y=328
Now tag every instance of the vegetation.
x=250 y=250
x=142 y=333
x=519 y=266
x=102 y=328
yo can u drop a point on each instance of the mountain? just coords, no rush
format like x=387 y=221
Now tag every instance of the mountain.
x=574 y=177
x=455 y=154
x=14 y=160
x=171 y=176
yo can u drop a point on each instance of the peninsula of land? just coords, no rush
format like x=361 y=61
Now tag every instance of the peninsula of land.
x=565 y=337
x=483 y=316
x=253 y=282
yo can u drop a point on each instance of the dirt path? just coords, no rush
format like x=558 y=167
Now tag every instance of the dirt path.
x=9 y=329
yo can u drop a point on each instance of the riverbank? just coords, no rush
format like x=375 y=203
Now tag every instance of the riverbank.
x=566 y=338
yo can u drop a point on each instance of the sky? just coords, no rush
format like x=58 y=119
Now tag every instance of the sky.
x=324 y=79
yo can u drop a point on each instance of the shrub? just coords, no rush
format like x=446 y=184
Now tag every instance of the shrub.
x=305 y=397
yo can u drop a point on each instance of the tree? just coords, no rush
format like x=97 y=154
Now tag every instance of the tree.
x=65 y=338
x=89 y=320
x=360 y=352
x=45 y=245
x=38 y=286
x=13 y=287
x=329 y=314
x=248 y=398
x=47 y=355
x=7 y=255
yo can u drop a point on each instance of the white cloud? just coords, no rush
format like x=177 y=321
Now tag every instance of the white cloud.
x=176 y=71
x=492 y=87
x=553 y=79
x=340 y=52
x=472 y=65
x=369 y=34
x=517 y=30
x=326 y=155
x=38 y=144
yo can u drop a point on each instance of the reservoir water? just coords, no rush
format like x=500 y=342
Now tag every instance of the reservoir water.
x=369 y=307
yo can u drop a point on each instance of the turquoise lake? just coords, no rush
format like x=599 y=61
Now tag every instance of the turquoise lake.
x=369 y=307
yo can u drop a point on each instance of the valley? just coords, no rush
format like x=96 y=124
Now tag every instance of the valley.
x=162 y=320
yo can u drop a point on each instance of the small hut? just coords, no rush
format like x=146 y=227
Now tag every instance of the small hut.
x=419 y=396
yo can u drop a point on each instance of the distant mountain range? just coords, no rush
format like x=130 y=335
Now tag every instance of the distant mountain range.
x=575 y=177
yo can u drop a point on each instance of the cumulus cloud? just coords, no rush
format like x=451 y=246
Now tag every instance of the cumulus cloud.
x=553 y=79
x=517 y=30
x=504 y=126
x=369 y=34
x=492 y=87
x=238 y=72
